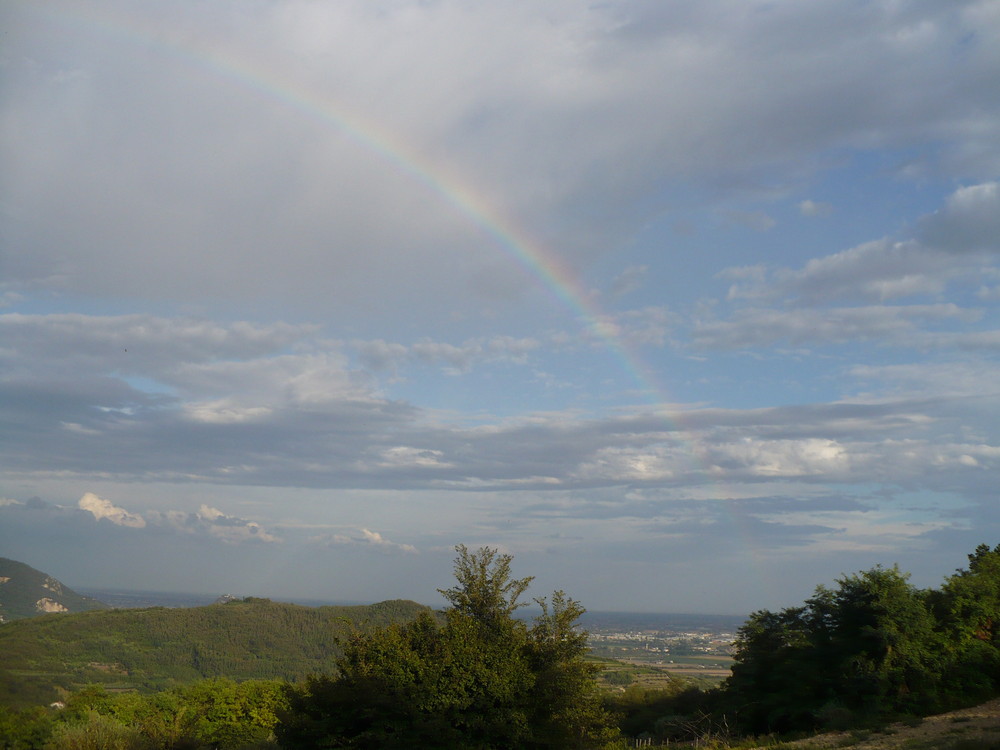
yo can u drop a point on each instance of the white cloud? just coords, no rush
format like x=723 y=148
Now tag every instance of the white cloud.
x=231 y=529
x=404 y=457
x=366 y=537
x=648 y=326
x=105 y=509
x=785 y=458
x=813 y=208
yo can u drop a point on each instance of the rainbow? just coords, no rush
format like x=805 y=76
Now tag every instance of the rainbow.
x=540 y=263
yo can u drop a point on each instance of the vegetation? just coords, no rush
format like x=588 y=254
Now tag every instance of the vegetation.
x=26 y=592
x=873 y=648
x=43 y=658
x=855 y=656
x=216 y=713
x=482 y=680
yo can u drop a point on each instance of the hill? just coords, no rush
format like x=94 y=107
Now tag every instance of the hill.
x=156 y=648
x=26 y=592
x=975 y=728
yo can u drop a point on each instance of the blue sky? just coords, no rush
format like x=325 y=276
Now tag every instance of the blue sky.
x=690 y=306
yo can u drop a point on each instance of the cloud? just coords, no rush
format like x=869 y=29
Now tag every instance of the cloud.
x=887 y=269
x=969 y=221
x=275 y=291
x=813 y=208
x=648 y=326
x=628 y=280
x=136 y=345
x=756 y=327
x=231 y=529
x=214 y=523
x=105 y=509
x=366 y=537
x=539 y=102
x=379 y=355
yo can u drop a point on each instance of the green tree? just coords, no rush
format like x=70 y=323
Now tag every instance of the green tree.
x=969 y=604
x=967 y=609
x=771 y=650
x=568 y=707
x=882 y=642
x=866 y=648
x=24 y=729
x=486 y=593
x=482 y=680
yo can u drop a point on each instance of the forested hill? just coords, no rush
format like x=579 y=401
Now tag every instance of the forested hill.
x=152 y=649
x=26 y=592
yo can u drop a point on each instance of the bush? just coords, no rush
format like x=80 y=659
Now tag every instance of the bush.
x=98 y=733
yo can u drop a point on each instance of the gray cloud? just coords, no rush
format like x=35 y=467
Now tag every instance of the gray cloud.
x=754 y=327
x=298 y=185
x=462 y=204
x=969 y=221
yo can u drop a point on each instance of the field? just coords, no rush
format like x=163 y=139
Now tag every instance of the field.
x=703 y=672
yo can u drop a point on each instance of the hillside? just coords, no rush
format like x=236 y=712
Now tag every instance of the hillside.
x=152 y=649
x=975 y=728
x=26 y=592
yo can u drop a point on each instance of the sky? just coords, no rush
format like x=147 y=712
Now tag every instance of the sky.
x=690 y=306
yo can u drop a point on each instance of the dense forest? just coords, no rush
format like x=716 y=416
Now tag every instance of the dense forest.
x=41 y=658
x=870 y=649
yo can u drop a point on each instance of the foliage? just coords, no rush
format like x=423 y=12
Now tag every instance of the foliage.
x=214 y=713
x=482 y=680
x=661 y=714
x=158 y=648
x=98 y=733
x=871 y=648
x=24 y=729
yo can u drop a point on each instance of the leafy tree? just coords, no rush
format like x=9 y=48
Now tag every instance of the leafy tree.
x=882 y=642
x=486 y=593
x=969 y=604
x=967 y=610
x=98 y=733
x=25 y=729
x=773 y=656
x=866 y=648
x=482 y=680
x=216 y=713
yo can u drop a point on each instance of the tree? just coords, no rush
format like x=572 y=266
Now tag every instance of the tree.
x=482 y=680
x=967 y=609
x=568 y=710
x=485 y=592
x=866 y=648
